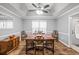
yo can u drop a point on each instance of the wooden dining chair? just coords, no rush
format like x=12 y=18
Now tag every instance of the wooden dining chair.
x=55 y=35
x=23 y=35
x=49 y=44
x=39 y=44
x=29 y=45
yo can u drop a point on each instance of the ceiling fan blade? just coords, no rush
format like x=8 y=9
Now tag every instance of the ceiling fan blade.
x=34 y=5
x=46 y=6
x=31 y=10
x=45 y=11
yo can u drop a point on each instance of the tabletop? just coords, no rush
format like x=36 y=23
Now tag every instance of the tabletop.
x=46 y=36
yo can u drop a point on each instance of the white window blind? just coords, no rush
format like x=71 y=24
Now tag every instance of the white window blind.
x=6 y=24
x=39 y=26
x=1 y=25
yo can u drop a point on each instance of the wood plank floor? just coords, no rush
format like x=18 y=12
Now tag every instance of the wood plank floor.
x=60 y=49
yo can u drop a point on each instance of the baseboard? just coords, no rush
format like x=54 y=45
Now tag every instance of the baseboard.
x=75 y=48
x=72 y=46
x=64 y=43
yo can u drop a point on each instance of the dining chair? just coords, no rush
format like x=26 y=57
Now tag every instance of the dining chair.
x=23 y=35
x=39 y=44
x=55 y=35
x=49 y=44
x=29 y=46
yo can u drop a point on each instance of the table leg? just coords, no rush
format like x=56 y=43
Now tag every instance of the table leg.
x=53 y=46
x=43 y=47
x=26 y=46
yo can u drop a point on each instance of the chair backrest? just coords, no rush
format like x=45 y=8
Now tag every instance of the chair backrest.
x=39 y=37
x=23 y=34
x=11 y=37
x=39 y=40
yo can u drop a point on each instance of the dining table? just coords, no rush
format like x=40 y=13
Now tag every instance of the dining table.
x=47 y=37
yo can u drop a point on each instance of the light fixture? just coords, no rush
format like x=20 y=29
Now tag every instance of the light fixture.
x=39 y=12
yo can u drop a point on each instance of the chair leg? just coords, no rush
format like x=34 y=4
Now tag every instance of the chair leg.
x=43 y=51
x=35 y=50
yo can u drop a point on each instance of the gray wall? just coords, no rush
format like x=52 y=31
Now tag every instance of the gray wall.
x=16 y=27
x=62 y=26
x=51 y=25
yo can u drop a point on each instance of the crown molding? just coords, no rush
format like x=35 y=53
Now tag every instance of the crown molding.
x=67 y=9
x=9 y=13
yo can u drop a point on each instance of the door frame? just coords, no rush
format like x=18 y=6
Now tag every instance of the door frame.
x=69 y=23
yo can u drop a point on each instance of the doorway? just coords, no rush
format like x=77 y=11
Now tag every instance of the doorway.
x=74 y=31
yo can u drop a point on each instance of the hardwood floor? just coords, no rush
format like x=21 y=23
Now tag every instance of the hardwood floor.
x=60 y=49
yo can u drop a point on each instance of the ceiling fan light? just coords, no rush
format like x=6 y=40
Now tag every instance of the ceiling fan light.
x=39 y=12
x=42 y=8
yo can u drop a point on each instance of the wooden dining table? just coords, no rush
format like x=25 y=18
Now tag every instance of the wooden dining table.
x=47 y=37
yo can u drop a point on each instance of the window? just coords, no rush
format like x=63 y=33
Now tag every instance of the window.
x=1 y=25
x=39 y=26
x=6 y=24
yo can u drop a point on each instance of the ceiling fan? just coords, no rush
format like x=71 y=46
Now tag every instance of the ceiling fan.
x=40 y=7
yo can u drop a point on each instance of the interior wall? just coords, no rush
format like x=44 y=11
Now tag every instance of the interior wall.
x=62 y=26
x=17 y=27
x=51 y=25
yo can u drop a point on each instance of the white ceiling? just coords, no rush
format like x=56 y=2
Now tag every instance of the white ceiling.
x=21 y=9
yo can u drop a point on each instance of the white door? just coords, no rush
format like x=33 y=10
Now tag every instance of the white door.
x=74 y=31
